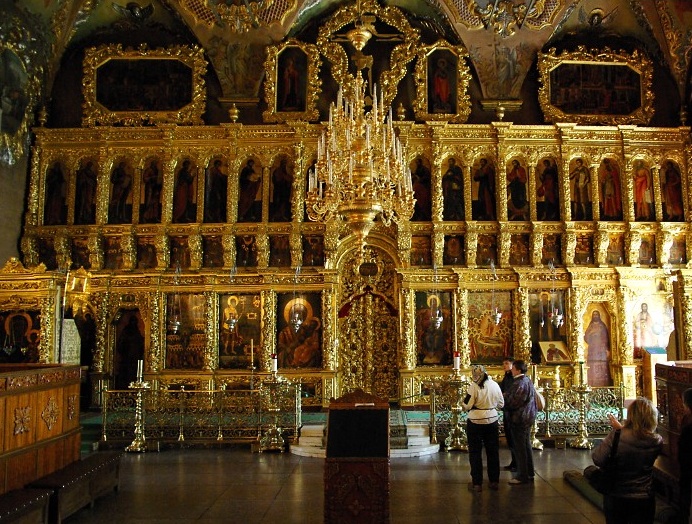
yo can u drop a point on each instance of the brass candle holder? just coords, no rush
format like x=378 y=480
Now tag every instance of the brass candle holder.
x=273 y=439
x=457 y=438
x=139 y=444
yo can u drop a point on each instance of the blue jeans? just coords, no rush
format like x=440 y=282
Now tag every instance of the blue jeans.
x=487 y=435
x=523 y=452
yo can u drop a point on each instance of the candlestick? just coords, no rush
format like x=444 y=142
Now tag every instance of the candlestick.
x=275 y=363
x=457 y=360
x=140 y=365
x=252 y=352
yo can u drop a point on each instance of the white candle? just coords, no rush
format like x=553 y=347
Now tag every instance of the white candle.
x=457 y=360
x=252 y=352
x=275 y=364
x=140 y=364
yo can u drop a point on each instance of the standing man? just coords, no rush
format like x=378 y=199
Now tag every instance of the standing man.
x=505 y=385
x=580 y=193
x=520 y=400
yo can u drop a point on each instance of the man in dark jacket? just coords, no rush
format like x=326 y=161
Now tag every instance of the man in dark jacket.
x=504 y=386
x=520 y=400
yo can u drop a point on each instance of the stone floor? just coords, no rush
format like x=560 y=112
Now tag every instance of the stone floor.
x=233 y=485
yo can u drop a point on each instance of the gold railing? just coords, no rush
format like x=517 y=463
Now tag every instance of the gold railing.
x=203 y=416
x=568 y=412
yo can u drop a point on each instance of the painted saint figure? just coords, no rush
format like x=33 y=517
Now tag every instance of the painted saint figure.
x=611 y=199
x=55 y=196
x=249 y=183
x=581 y=179
x=183 y=210
x=548 y=190
x=282 y=188
x=453 y=192
x=672 y=192
x=485 y=176
x=121 y=182
x=518 y=204
x=85 y=199
x=643 y=201
x=420 y=177
x=216 y=193
x=597 y=339
x=151 y=209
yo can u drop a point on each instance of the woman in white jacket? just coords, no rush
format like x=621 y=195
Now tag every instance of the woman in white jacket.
x=483 y=400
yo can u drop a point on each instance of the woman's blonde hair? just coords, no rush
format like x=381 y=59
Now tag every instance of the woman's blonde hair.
x=642 y=417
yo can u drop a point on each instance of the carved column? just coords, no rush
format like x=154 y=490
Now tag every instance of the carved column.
x=47 y=351
x=601 y=240
x=102 y=306
x=408 y=329
x=268 y=329
x=468 y=197
x=664 y=241
x=531 y=192
x=404 y=242
x=29 y=246
x=31 y=215
x=329 y=332
x=163 y=252
x=128 y=248
x=595 y=193
x=536 y=249
x=471 y=248
x=576 y=322
x=683 y=295
x=194 y=244
x=262 y=243
x=295 y=243
x=211 y=319
x=504 y=245
x=633 y=241
x=156 y=333
x=62 y=252
x=658 y=204
x=168 y=172
x=522 y=328
x=569 y=246
x=229 y=251
x=95 y=246
x=438 y=239
x=625 y=348
x=436 y=182
x=462 y=322
x=331 y=243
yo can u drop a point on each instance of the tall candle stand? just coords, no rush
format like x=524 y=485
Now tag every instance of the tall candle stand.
x=535 y=443
x=582 y=441
x=457 y=438
x=273 y=439
x=139 y=444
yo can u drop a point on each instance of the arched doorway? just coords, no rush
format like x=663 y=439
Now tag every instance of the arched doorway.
x=368 y=327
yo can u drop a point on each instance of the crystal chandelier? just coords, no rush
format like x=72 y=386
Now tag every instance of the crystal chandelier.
x=361 y=171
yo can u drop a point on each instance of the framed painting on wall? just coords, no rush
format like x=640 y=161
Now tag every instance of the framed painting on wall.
x=299 y=330
x=596 y=86
x=434 y=328
x=143 y=86
x=292 y=82
x=554 y=352
x=442 y=79
x=239 y=330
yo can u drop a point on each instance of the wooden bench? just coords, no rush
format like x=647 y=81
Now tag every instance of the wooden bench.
x=25 y=506
x=80 y=483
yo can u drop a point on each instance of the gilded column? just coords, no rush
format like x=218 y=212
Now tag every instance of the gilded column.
x=655 y=174
x=194 y=244
x=569 y=246
x=438 y=239
x=211 y=318
x=471 y=248
x=101 y=303
x=522 y=328
x=504 y=245
x=664 y=241
x=168 y=169
x=601 y=240
x=436 y=181
x=683 y=295
x=268 y=328
x=404 y=242
x=462 y=322
x=128 y=248
x=330 y=336
x=46 y=351
x=163 y=252
x=537 y=249
x=156 y=333
x=408 y=326
x=576 y=323
x=262 y=242
x=103 y=185
x=95 y=246
x=468 y=184
x=531 y=192
x=625 y=348
x=633 y=241
x=33 y=204
x=62 y=252
x=29 y=246
x=595 y=193
x=331 y=243
x=298 y=200
x=296 y=246
x=229 y=251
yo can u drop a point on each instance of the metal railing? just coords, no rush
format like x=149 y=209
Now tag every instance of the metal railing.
x=204 y=416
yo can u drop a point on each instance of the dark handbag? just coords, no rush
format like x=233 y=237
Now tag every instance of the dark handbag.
x=603 y=479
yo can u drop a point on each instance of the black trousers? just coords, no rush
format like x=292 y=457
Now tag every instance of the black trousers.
x=487 y=435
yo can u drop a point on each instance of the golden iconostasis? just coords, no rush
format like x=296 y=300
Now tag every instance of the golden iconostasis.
x=200 y=257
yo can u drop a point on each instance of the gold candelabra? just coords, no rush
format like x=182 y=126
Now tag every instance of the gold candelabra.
x=457 y=438
x=273 y=438
x=139 y=444
x=582 y=441
x=361 y=171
